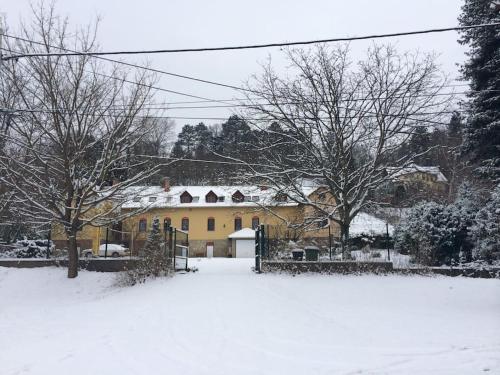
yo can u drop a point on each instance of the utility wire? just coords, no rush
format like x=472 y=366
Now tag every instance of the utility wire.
x=181 y=76
x=204 y=100
x=165 y=105
x=256 y=46
x=12 y=111
x=137 y=66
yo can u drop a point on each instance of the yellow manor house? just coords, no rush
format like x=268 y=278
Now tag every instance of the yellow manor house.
x=219 y=219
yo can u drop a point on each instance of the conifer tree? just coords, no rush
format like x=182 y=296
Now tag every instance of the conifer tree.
x=154 y=258
x=482 y=131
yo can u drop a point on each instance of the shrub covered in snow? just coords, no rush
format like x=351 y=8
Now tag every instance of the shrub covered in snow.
x=436 y=234
x=486 y=229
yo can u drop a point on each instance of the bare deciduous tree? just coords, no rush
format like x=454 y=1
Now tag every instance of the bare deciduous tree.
x=339 y=124
x=74 y=124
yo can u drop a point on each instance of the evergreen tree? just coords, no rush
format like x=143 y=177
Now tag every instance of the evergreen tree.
x=419 y=144
x=193 y=142
x=154 y=262
x=482 y=131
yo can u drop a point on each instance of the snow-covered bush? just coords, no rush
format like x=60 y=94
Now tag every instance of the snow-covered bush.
x=486 y=230
x=436 y=234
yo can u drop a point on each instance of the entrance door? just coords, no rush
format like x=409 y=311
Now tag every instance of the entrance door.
x=210 y=249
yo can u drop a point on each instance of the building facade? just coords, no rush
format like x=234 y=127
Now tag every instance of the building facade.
x=215 y=217
x=219 y=220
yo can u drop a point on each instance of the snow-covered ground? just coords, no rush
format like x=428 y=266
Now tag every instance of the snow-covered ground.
x=226 y=320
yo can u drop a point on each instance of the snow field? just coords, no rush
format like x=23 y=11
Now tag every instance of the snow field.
x=226 y=320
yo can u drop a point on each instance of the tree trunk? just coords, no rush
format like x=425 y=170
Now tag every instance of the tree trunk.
x=72 y=257
x=344 y=240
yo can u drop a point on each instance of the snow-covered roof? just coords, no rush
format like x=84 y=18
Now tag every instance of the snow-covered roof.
x=364 y=223
x=243 y=233
x=157 y=197
x=414 y=168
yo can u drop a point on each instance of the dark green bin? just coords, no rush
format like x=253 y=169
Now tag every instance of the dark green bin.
x=312 y=253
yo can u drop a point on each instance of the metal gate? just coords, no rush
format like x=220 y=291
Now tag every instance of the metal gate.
x=178 y=244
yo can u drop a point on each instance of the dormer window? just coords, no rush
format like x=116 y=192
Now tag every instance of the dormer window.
x=137 y=199
x=211 y=197
x=152 y=199
x=186 y=197
x=237 y=197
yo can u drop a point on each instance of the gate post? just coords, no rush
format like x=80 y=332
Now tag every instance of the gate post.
x=264 y=242
x=257 y=250
x=174 y=244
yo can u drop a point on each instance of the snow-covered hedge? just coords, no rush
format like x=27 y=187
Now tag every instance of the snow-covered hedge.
x=486 y=229
x=436 y=234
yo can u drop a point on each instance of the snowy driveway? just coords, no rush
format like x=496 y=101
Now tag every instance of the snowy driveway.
x=226 y=320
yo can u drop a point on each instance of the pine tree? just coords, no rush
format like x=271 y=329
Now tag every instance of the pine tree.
x=154 y=259
x=482 y=132
x=419 y=144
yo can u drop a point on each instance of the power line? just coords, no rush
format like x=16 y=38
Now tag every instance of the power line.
x=155 y=70
x=12 y=111
x=149 y=86
x=205 y=100
x=256 y=46
x=160 y=106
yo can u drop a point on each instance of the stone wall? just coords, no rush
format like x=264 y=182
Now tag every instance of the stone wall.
x=99 y=265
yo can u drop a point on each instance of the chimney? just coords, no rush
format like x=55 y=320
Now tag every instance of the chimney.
x=165 y=183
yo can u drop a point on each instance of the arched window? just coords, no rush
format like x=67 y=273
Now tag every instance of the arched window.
x=167 y=223
x=255 y=222
x=185 y=223
x=211 y=224
x=237 y=223
x=143 y=225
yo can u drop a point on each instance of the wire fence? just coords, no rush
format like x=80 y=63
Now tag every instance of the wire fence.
x=274 y=243
x=105 y=243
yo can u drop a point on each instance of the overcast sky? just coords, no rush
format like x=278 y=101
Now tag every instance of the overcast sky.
x=148 y=24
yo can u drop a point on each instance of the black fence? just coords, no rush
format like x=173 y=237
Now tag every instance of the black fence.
x=122 y=247
x=276 y=243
